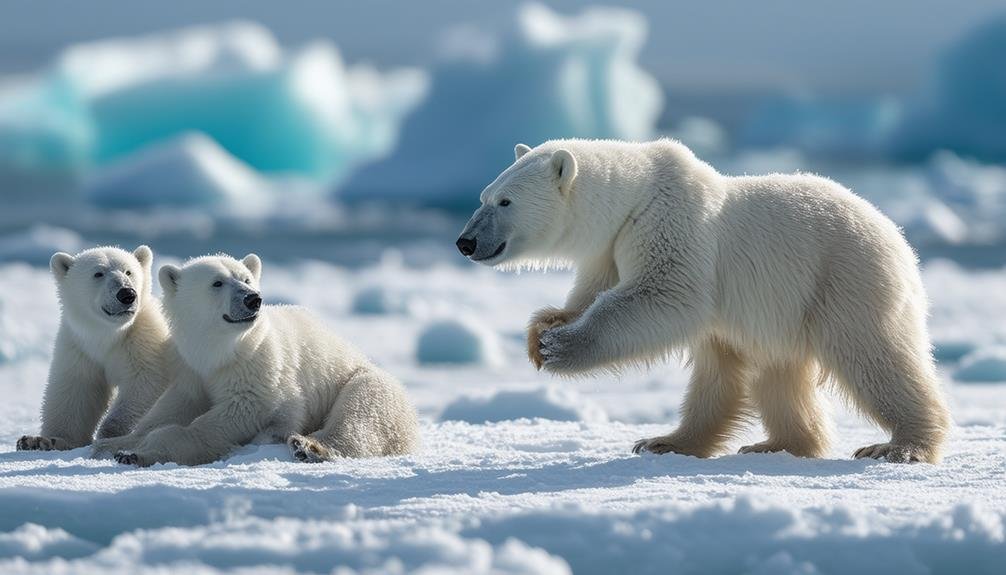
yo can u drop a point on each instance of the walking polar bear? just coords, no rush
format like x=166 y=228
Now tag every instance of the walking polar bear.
x=112 y=338
x=772 y=283
x=261 y=374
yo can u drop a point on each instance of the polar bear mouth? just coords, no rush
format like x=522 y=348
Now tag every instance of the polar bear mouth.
x=125 y=312
x=229 y=319
x=498 y=251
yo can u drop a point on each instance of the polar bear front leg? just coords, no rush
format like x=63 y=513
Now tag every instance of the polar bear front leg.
x=591 y=279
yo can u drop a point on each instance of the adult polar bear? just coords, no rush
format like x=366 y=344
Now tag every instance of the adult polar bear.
x=772 y=283
x=254 y=373
x=112 y=336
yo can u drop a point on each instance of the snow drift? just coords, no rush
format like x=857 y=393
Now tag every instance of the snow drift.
x=302 y=112
x=548 y=77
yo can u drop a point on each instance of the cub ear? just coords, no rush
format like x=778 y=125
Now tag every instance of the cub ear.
x=564 y=165
x=168 y=276
x=144 y=256
x=60 y=264
x=254 y=265
x=519 y=150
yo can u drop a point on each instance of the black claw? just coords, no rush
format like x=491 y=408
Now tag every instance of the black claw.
x=126 y=458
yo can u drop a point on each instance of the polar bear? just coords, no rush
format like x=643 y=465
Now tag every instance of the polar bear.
x=261 y=374
x=773 y=284
x=112 y=337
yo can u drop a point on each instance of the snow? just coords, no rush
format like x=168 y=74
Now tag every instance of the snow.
x=457 y=341
x=547 y=486
x=548 y=76
x=300 y=111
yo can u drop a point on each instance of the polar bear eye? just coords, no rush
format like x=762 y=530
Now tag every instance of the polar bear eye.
x=99 y=275
x=218 y=283
x=504 y=203
x=248 y=281
x=129 y=273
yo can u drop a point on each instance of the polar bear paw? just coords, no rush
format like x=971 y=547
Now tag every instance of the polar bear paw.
x=661 y=445
x=892 y=452
x=542 y=320
x=309 y=449
x=762 y=447
x=36 y=443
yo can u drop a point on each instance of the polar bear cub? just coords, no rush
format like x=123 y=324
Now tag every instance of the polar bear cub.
x=772 y=283
x=112 y=338
x=258 y=373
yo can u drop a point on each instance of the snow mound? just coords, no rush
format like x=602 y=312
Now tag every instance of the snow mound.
x=188 y=171
x=985 y=365
x=375 y=300
x=37 y=244
x=457 y=341
x=550 y=402
x=950 y=350
x=548 y=77
x=302 y=112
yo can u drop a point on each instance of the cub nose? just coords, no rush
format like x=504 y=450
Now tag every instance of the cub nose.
x=126 y=295
x=466 y=246
x=253 y=301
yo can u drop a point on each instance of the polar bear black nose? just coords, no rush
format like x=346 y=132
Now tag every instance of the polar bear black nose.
x=253 y=301
x=126 y=295
x=467 y=246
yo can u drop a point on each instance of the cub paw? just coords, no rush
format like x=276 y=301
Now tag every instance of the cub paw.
x=663 y=444
x=542 y=320
x=36 y=443
x=762 y=447
x=127 y=458
x=308 y=449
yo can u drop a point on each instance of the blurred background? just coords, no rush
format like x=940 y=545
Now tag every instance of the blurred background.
x=337 y=130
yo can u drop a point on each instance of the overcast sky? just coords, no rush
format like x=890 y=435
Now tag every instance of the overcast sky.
x=866 y=46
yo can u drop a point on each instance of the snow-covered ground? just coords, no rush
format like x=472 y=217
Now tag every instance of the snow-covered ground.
x=513 y=495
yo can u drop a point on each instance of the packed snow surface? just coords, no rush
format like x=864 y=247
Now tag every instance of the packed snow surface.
x=548 y=486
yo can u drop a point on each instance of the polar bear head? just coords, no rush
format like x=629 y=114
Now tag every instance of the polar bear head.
x=211 y=303
x=519 y=220
x=102 y=289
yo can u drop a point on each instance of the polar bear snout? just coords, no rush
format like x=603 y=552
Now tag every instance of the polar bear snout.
x=467 y=245
x=126 y=295
x=253 y=301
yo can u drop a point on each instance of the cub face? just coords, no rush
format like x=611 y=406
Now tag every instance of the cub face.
x=103 y=288
x=215 y=295
x=520 y=208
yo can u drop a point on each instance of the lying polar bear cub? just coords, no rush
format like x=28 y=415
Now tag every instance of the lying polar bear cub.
x=261 y=374
x=112 y=338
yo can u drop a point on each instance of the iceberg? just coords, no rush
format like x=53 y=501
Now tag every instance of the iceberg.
x=549 y=77
x=303 y=112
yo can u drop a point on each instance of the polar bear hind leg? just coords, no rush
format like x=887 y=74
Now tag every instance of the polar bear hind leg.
x=786 y=396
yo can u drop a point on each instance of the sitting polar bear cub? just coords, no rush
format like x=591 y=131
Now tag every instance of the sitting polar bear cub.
x=261 y=374
x=112 y=337
x=773 y=283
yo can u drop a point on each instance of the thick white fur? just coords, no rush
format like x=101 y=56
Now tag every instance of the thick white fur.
x=96 y=354
x=282 y=377
x=772 y=283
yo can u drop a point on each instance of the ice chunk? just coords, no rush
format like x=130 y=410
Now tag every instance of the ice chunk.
x=375 y=300
x=966 y=114
x=457 y=341
x=549 y=77
x=191 y=170
x=846 y=128
x=546 y=403
x=986 y=365
x=303 y=112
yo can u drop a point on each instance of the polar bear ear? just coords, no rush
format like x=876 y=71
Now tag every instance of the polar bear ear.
x=564 y=165
x=254 y=265
x=60 y=264
x=168 y=276
x=519 y=150
x=144 y=256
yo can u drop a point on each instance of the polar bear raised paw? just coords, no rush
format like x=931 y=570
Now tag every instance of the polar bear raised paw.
x=542 y=320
